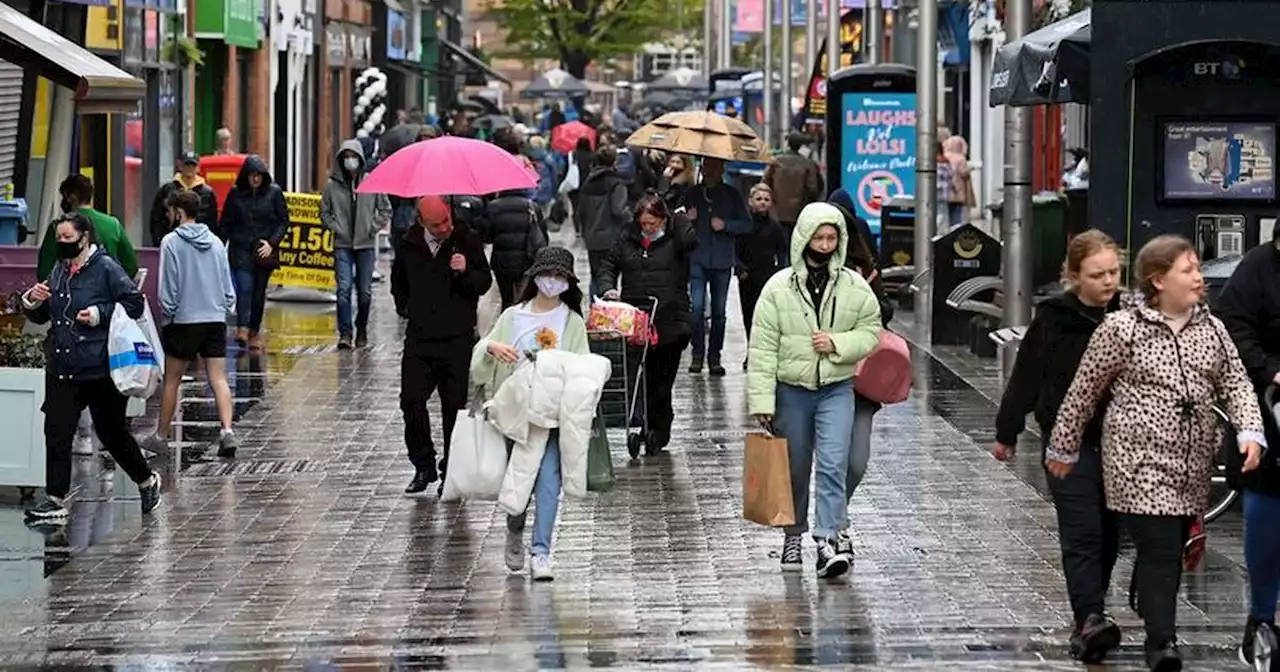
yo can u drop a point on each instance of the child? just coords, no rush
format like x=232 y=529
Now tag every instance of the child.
x=761 y=253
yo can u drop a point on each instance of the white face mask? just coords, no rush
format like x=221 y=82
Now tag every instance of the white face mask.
x=550 y=285
x=351 y=163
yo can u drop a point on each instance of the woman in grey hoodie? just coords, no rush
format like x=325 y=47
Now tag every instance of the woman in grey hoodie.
x=196 y=295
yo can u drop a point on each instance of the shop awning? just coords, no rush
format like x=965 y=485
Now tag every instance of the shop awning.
x=469 y=60
x=99 y=86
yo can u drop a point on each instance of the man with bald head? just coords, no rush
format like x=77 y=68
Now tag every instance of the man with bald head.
x=439 y=274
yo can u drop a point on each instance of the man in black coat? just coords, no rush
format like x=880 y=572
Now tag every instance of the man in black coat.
x=188 y=178
x=439 y=274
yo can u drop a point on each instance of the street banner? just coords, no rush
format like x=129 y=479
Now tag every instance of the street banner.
x=306 y=252
x=814 y=111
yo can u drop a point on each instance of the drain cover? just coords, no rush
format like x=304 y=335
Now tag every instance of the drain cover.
x=252 y=468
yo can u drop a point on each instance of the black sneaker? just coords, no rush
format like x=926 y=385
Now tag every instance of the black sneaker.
x=716 y=369
x=1166 y=658
x=844 y=544
x=1094 y=639
x=47 y=512
x=228 y=443
x=1259 y=644
x=362 y=338
x=830 y=562
x=792 y=553
x=422 y=478
x=696 y=365
x=344 y=342
x=150 y=494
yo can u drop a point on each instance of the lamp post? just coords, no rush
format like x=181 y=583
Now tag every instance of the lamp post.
x=768 y=73
x=926 y=157
x=788 y=60
x=875 y=31
x=1015 y=223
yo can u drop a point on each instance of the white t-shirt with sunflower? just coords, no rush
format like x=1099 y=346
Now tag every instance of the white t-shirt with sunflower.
x=538 y=331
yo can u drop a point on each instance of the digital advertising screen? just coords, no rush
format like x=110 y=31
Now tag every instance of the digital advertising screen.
x=877 y=150
x=1219 y=160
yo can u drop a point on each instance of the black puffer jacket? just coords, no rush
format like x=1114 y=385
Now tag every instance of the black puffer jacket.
x=660 y=270
x=515 y=229
x=252 y=215
x=601 y=213
x=1048 y=358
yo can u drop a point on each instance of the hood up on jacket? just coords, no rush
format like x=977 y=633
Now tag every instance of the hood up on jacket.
x=253 y=164
x=811 y=218
x=337 y=172
x=197 y=234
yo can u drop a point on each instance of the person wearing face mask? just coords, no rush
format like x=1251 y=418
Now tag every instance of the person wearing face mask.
x=761 y=253
x=548 y=316
x=255 y=218
x=355 y=220
x=812 y=325
x=83 y=289
x=1164 y=363
x=77 y=195
x=187 y=179
x=651 y=259
x=439 y=274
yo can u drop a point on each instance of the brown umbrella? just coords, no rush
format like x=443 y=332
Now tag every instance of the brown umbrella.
x=702 y=133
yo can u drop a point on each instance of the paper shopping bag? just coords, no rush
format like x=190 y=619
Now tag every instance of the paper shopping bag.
x=600 y=476
x=766 y=482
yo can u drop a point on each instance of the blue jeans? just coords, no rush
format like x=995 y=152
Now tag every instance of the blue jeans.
x=546 y=499
x=251 y=296
x=818 y=425
x=1262 y=552
x=864 y=414
x=699 y=277
x=357 y=266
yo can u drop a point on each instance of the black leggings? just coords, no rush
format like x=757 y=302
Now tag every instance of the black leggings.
x=1158 y=571
x=64 y=401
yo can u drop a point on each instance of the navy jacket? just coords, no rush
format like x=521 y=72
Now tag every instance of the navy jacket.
x=717 y=250
x=75 y=351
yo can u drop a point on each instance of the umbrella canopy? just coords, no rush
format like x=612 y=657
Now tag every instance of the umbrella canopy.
x=702 y=133
x=564 y=138
x=475 y=168
x=398 y=137
x=686 y=80
x=1047 y=66
x=482 y=104
x=493 y=122
x=555 y=83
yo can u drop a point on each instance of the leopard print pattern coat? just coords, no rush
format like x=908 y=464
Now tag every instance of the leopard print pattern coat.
x=1160 y=433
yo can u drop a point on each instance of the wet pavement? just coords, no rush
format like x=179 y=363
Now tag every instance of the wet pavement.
x=303 y=554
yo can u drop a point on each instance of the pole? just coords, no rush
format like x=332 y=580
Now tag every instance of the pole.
x=726 y=34
x=833 y=37
x=788 y=60
x=926 y=158
x=768 y=75
x=875 y=32
x=810 y=36
x=1015 y=225
x=708 y=44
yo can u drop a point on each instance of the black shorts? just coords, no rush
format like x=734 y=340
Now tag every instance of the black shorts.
x=188 y=341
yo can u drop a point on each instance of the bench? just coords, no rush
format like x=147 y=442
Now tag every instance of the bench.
x=1005 y=338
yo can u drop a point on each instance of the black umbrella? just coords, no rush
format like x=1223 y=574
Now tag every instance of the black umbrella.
x=493 y=122
x=683 y=80
x=1047 y=66
x=398 y=137
x=555 y=83
x=482 y=104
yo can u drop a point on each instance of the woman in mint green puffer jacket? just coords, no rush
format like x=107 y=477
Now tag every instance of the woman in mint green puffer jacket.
x=813 y=323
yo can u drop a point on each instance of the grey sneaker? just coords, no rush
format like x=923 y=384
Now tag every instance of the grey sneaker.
x=513 y=551
x=792 y=554
x=228 y=442
x=155 y=445
x=541 y=568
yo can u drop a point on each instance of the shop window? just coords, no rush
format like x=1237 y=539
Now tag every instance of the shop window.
x=169 y=130
x=134 y=36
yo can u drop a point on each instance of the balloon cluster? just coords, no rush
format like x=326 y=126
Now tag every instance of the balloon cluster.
x=371 y=103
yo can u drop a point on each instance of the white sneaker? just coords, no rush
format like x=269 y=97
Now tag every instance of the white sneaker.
x=541 y=568
x=514 y=551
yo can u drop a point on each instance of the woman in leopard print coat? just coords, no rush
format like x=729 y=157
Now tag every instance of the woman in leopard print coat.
x=1165 y=362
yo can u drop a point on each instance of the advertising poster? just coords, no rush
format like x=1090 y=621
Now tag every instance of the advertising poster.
x=815 y=96
x=1207 y=160
x=306 y=252
x=878 y=148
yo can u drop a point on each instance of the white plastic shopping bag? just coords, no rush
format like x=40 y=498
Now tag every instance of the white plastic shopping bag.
x=477 y=459
x=148 y=325
x=132 y=360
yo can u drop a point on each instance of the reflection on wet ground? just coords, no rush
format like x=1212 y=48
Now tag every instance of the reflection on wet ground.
x=305 y=555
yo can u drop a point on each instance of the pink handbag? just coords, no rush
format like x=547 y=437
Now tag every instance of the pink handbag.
x=884 y=376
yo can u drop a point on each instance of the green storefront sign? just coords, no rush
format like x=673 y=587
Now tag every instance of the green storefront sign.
x=232 y=21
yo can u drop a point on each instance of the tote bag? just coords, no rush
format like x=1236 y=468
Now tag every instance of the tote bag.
x=477 y=459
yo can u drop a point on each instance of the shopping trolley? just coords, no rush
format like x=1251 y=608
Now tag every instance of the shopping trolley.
x=624 y=399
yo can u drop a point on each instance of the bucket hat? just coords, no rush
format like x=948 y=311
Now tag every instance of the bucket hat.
x=553 y=259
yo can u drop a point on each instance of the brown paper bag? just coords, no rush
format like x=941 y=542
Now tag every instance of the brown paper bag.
x=766 y=482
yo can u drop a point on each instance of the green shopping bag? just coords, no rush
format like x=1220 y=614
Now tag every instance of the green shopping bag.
x=600 y=476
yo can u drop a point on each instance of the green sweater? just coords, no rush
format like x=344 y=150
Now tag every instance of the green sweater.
x=490 y=373
x=107 y=233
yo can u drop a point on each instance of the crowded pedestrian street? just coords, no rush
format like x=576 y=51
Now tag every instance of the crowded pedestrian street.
x=304 y=553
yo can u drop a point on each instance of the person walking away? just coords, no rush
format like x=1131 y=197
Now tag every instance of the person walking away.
x=516 y=231
x=355 y=220
x=720 y=215
x=196 y=294
x=946 y=185
x=1249 y=306
x=255 y=218
x=84 y=287
x=548 y=175
x=652 y=259
x=438 y=276
x=960 y=196
x=548 y=316
x=601 y=213
x=761 y=253
x=812 y=325
x=187 y=179
x=77 y=196
x=796 y=181
x=844 y=201
x=1164 y=363
x=1048 y=358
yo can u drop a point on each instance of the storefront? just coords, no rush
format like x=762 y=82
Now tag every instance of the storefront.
x=293 y=37
x=396 y=50
x=229 y=33
x=347 y=43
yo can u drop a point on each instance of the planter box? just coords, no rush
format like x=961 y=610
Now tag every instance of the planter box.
x=22 y=426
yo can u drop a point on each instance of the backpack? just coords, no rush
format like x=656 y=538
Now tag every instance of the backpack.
x=626 y=165
x=884 y=376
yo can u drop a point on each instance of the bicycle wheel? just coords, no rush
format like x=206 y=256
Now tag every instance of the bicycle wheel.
x=1221 y=495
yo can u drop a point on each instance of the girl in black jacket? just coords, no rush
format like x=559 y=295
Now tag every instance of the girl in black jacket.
x=761 y=253
x=255 y=219
x=1047 y=361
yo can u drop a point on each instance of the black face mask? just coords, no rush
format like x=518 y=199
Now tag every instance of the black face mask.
x=68 y=250
x=817 y=258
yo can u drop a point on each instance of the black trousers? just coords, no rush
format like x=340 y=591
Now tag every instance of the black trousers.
x=594 y=260
x=428 y=367
x=1158 y=571
x=660 y=369
x=748 y=295
x=64 y=401
x=507 y=286
x=1087 y=533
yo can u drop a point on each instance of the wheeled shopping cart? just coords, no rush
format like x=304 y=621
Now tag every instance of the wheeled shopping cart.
x=624 y=399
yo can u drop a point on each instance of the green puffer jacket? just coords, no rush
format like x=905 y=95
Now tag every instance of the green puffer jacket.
x=781 y=347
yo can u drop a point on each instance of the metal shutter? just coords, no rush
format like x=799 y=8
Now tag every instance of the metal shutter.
x=10 y=106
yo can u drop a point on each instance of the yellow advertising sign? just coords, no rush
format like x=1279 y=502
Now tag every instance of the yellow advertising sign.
x=306 y=252
x=102 y=28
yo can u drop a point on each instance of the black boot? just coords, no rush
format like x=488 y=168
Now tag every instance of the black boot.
x=1166 y=658
x=695 y=366
x=1094 y=639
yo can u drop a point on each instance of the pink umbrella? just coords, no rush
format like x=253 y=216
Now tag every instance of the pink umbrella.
x=448 y=166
